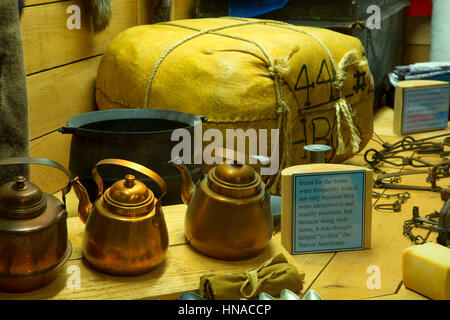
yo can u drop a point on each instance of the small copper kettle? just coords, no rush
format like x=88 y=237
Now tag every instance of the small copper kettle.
x=125 y=232
x=33 y=232
x=228 y=215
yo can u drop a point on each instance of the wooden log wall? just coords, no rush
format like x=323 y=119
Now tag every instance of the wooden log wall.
x=182 y=9
x=61 y=66
x=417 y=40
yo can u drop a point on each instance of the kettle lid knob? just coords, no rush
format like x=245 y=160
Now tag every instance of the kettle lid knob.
x=19 y=183
x=129 y=197
x=21 y=199
x=235 y=180
x=235 y=174
x=129 y=181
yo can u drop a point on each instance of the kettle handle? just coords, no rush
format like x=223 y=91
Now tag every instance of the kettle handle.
x=42 y=161
x=131 y=165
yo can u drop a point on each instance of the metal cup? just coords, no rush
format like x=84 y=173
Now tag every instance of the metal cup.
x=317 y=152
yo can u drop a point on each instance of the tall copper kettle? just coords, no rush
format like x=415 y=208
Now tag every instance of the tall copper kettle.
x=33 y=232
x=228 y=215
x=125 y=231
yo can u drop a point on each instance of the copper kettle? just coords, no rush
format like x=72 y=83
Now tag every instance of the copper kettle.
x=228 y=215
x=33 y=232
x=125 y=232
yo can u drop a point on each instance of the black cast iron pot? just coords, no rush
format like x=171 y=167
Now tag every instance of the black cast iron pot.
x=138 y=135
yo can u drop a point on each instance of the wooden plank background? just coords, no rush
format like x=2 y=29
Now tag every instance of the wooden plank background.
x=48 y=43
x=61 y=66
x=34 y=2
x=417 y=40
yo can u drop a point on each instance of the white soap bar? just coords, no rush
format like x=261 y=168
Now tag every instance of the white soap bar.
x=426 y=270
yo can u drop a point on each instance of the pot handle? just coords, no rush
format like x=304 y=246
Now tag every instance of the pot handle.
x=131 y=165
x=42 y=161
x=67 y=130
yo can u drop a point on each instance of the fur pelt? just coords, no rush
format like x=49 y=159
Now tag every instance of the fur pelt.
x=13 y=92
x=162 y=10
x=21 y=4
x=100 y=12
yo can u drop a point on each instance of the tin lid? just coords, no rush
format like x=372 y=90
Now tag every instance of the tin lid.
x=237 y=180
x=129 y=197
x=21 y=199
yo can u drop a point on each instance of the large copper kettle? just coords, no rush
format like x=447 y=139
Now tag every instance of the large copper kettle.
x=125 y=232
x=228 y=215
x=33 y=232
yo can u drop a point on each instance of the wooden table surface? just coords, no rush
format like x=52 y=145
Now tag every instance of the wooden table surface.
x=341 y=275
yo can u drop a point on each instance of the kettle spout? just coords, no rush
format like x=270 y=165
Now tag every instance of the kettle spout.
x=187 y=187
x=85 y=205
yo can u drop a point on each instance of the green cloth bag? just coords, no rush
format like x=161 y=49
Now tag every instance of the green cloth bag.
x=271 y=277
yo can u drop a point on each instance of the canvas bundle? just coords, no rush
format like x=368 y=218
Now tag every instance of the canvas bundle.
x=312 y=84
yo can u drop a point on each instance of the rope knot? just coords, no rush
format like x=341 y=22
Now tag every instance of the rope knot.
x=272 y=71
x=280 y=66
x=339 y=81
x=350 y=60
x=282 y=107
x=255 y=283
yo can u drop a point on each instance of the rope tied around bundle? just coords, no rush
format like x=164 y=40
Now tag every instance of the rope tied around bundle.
x=280 y=66
x=350 y=60
x=278 y=69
